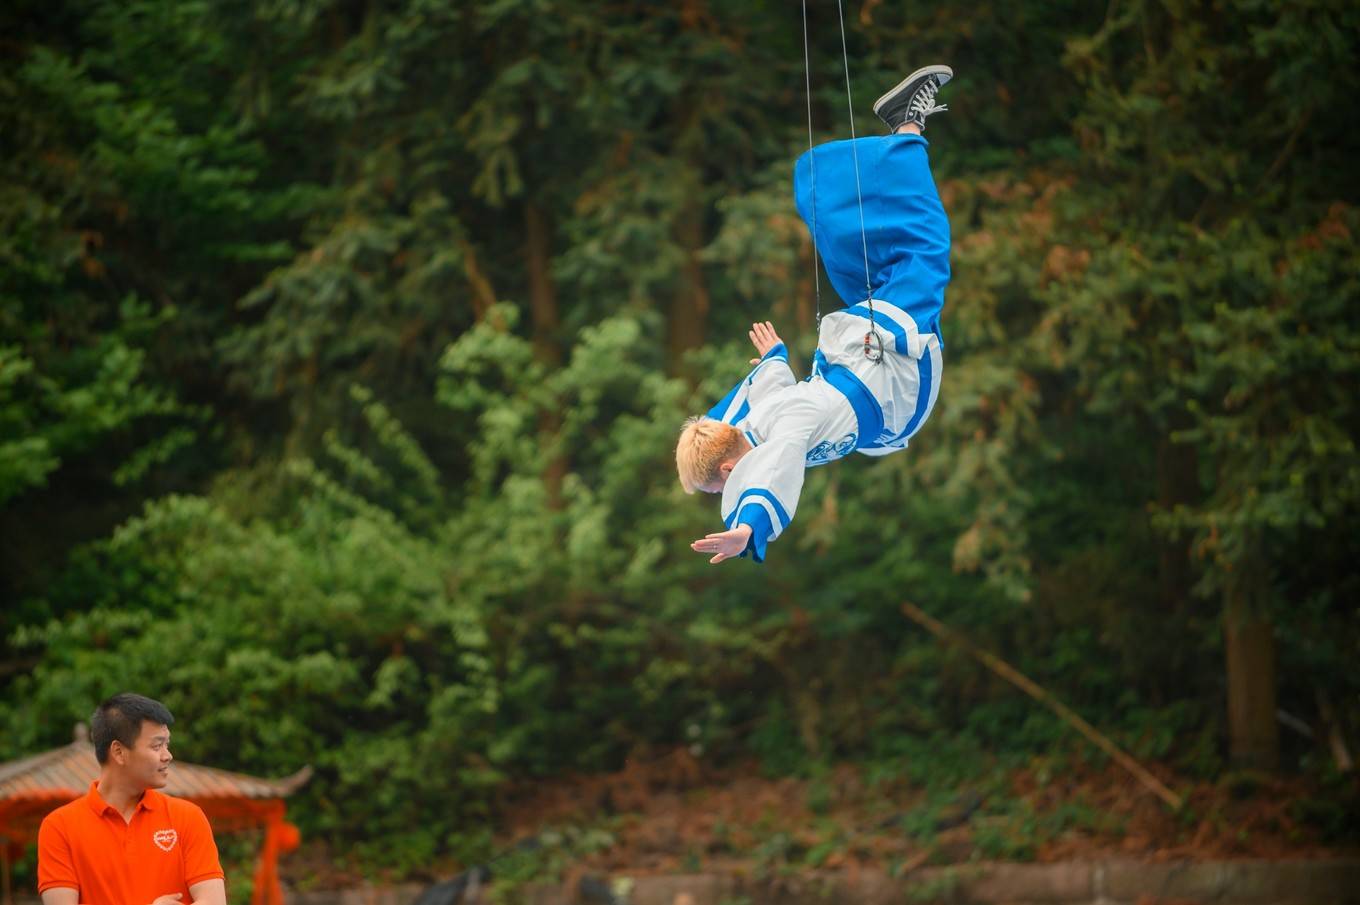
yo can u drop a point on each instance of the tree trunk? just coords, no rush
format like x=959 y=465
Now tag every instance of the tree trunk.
x=546 y=319
x=483 y=295
x=688 y=313
x=1249 y=640
x=1177 y=484
x=546 y=324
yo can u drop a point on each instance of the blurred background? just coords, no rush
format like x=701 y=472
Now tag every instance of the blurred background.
x=343 y=347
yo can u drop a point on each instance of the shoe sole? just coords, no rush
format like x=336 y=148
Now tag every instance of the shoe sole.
x=944 y=73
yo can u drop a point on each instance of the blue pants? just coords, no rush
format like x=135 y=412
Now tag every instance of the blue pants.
x=906 y=232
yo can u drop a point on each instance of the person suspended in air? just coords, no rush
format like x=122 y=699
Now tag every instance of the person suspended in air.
x=876 y=220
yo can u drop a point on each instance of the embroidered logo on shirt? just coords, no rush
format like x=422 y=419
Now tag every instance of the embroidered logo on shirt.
x=165 y=839
x=826 y=450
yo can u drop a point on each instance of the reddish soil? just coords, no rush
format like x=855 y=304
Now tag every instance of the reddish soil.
x=672 y=812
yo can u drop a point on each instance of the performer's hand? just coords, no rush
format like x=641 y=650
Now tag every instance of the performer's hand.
x=724 y=544
x=764 y=338
x=169 y=899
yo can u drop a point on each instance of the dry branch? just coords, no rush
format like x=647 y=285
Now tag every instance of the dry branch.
x=1031 y=688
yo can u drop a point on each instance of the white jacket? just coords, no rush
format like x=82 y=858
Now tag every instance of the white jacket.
x=848 y=404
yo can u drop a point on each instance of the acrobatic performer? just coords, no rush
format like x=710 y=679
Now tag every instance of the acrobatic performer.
x=875 y=217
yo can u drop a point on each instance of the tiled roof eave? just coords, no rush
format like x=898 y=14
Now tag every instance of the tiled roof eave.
x=73 y=768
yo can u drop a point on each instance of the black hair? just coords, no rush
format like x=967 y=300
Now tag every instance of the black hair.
x=120 y=719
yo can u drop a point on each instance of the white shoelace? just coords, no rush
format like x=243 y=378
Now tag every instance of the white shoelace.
x=923 y=102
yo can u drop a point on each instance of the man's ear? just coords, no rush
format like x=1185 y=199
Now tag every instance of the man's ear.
x=725 y=468
x=117 y=753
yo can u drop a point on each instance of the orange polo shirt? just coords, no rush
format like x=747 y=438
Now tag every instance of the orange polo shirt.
x=88 y=846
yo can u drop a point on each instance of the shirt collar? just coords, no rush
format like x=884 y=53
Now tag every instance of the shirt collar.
x=151 y=800
x=96 y=801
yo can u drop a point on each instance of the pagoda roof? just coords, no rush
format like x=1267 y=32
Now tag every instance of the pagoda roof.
x=71 y=769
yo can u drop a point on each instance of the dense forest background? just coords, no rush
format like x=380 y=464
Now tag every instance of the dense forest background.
x=343 y=346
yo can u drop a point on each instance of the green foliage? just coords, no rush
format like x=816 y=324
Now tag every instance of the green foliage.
x=343 y=348
x=289 y=636
x=71 y=403
x=551 y=855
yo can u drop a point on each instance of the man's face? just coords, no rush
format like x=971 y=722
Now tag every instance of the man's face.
x=147 y=763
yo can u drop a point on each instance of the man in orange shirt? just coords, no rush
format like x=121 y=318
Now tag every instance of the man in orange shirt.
x=124 y=843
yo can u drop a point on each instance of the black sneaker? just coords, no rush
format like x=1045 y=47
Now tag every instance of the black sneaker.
x=914 y=98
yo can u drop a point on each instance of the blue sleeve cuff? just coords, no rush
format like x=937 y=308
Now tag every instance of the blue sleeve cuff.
x=754 y=515
x=780 y=351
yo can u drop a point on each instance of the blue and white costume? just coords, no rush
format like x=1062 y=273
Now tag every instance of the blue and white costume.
x=849 y=403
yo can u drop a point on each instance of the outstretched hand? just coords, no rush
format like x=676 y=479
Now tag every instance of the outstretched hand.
x=724 y=544
x=764 y=338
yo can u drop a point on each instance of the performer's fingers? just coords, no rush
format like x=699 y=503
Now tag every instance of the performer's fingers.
x=717 y=559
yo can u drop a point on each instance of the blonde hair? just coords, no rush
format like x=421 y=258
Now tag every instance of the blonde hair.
x=705 y=444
